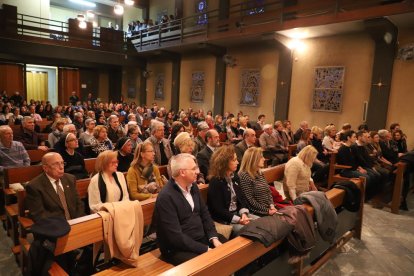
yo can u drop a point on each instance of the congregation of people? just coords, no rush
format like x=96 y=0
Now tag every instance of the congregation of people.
x=227 y=151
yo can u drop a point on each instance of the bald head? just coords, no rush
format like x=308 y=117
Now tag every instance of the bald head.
x=53 y=165
x=249 y=136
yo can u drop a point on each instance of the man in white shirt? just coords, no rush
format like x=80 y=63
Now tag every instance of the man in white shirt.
x=184 y=226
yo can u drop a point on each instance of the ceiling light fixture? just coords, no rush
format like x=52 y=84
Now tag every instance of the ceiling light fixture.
x=84 y=3
x=118 y=9
x=129 y=2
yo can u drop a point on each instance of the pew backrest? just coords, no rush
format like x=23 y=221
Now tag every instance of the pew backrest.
x=21 y=174
x=275 y=173
x=36 y=155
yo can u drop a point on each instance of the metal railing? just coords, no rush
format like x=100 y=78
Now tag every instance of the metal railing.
x=244 y=15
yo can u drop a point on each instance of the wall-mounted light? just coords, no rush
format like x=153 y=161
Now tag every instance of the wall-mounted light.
x=118 y=9
x=296 y=44
x=129 y=2
x=90 y=14
x=82 y=24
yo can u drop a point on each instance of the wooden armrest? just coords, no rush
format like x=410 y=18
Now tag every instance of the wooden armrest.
x=56 y=270
x=9 y=191
x=25 y=223
x=342 y=166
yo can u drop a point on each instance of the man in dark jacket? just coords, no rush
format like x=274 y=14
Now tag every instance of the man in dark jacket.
x=184 y=226
x=203 y=157
x=28 y=137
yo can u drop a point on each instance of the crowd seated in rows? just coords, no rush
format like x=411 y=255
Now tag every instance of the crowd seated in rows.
x=236 y=195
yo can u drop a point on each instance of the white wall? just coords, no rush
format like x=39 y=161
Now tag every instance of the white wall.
x=39 y=8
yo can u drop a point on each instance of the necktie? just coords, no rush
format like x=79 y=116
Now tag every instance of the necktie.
x=62 y=198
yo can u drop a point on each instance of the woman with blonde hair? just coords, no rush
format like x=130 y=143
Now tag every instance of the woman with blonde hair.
x=184 y=144
x=254 y=187
x=225 y=200
x=298 y=173
x=107 y=185
x=328 y=141
x=143 y=177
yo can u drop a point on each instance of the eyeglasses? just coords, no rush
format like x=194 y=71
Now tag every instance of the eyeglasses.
x=114 y=162
x=71 y=140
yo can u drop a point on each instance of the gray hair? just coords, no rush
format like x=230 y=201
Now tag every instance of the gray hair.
x=67 y=126
x=155 y=125
x=3 y=129
x=110 y=118
x=382 y=133
x=177 y=163
x=78 y=114
x=88 y=121
x=27 y=119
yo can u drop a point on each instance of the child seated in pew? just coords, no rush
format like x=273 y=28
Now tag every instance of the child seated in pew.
x=225 y=200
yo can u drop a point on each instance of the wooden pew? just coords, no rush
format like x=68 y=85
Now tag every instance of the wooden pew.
x=36 y=155
x=394 y=205
x=90 y=165
x=238 y=252
x=292 y=151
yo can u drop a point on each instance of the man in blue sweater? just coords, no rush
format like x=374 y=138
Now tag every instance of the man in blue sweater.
x=183 y=224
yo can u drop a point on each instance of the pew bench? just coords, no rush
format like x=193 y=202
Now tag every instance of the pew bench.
x=237 y=253
x=395 y=202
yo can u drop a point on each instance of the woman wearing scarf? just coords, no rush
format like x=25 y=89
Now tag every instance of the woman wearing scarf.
x=144 y=179
x=108 y=185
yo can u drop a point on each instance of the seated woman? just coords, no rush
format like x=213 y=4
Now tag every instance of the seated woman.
x=57 y=131
x=133 y=134
x=329 y=141
x=125 y=157
x=254 y=187
x=144 y=178
x=305 y=140
x=176 y=128
x=224 y=200
x=298 y=173
x=74 y=161
x=87 y=135
x=184 y=144
x=108 y=185
x=233 y=133
x=399 y=141
x=100 y=141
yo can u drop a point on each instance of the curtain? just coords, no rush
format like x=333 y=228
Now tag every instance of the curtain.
x=37 y=85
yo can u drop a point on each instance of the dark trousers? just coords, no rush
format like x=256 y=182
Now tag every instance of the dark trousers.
x=179 y=257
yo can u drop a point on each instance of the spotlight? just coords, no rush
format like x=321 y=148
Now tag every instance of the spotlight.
x=118 y=9
x=82 y=24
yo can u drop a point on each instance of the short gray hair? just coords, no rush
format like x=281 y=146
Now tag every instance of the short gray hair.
x=27 y=119
x=110 y=118
x=155 y=125
x=382 y=133
x=67 y=126
x=177 y=163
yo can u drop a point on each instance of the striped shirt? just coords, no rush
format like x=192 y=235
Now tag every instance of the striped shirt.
x=257 y=193
x=15 y=156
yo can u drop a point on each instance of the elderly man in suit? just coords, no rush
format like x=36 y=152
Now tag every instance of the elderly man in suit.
x=53 y=193
x=272 y=149
x=203 y=157
x=249 y=140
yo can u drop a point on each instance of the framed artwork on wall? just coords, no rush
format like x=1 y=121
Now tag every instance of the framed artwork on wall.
x=197 y=87
x=328 y=89
x=250 y=87
x=159 y=87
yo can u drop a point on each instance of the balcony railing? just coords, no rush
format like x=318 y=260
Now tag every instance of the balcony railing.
x=251 y=17
x=32 y=28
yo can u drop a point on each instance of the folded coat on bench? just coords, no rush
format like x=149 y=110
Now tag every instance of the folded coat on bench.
x=122 y=237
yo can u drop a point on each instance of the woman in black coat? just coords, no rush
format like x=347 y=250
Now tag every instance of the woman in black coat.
x=224 y=199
